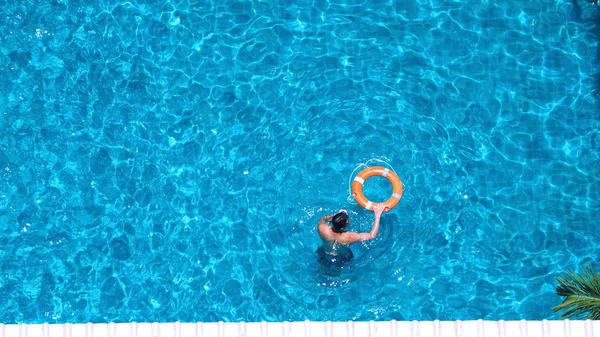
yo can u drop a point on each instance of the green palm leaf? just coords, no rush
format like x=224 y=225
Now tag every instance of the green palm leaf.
x=582 y=293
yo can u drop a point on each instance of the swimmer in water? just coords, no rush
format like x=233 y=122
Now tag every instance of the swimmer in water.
x=335 y=251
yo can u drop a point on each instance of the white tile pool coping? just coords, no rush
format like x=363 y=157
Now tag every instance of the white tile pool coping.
x=479 y=328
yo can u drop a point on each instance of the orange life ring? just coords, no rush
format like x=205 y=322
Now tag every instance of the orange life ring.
x=357 y=187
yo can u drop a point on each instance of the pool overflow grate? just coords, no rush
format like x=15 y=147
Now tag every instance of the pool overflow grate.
x=478 y=328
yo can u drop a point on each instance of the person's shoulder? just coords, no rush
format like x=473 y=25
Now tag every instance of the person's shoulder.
x=349 y=237
x=323 y=225
x=324 y=229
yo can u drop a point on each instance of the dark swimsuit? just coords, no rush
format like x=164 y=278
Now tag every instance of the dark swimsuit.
x=335 y=257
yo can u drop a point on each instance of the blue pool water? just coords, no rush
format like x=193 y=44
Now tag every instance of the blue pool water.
x=169 y=160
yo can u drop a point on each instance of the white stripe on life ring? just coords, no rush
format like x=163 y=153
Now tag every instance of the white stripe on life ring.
x=368 y=206
x=385 y=172
x=397 y=196
x=360 y=180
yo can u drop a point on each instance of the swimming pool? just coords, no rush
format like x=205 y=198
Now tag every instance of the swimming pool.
x=167 y=161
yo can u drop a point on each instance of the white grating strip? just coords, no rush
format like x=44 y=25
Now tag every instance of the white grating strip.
x=501 y=328
x=523 y=328
x=89 y=329
x=199 y=330
x=589 y=329
x=67 y=330
x=479 y=328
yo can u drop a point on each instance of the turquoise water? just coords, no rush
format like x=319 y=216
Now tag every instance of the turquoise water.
x=166 y=161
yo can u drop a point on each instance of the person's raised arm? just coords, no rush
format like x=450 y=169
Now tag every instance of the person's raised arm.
x=377 y=209
x=324 y=220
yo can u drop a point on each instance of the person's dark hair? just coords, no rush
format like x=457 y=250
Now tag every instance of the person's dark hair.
x=340 y=222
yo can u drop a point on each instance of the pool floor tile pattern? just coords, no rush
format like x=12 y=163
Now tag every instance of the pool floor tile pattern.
x=479 y=328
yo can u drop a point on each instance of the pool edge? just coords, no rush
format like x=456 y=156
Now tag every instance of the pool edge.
x=478 y=328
